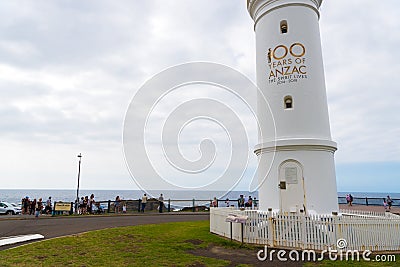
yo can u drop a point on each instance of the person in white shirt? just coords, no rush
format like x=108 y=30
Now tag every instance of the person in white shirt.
x=144 y=202
x=160 y=203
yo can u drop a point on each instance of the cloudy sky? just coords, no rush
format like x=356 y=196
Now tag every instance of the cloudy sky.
x=69 y=69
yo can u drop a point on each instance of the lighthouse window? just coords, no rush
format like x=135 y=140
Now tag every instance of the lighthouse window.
x=284 y=26
x=288 y=102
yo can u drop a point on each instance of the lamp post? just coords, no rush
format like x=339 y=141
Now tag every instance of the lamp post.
x=77 y=189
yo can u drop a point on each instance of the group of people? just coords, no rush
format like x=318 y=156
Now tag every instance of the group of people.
x=388 y=202
x=143 y=202
x=87 y=205
x=349 y=199
x=160 y=203
x=243 y=202
x=247 y=202
x=36 y=207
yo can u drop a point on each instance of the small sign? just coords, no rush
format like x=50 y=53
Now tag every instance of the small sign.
x=62 y=206
x=291 y=175
x=236 y=218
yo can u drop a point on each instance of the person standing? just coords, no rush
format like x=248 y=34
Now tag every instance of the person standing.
x=214 y=203
x=241 y=201
x=32 y=207
x=92 y=204
x=250 y=202
x=246 y=202
x=124 y=208
x=160 y=203
x=389 y=201
x=255 y=203
x=25 y=205
x=227 y=202
x=348 y=199
x=144 y=202
x=81 y=205
x=38 y=207
x=48 y=208
x=116 y=204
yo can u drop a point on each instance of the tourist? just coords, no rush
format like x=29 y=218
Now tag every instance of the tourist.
x=250 y=202
x=86 y=204
x=389 y=201
x=38 y=207
x=385 y=204
x=48 y=207
x=349 y=199
x=227 y=202
x=214 y=203
x=82 y=205
x=124 y=208
x=25 y=205
x=144 y=202
x=241 y=201
x=99 y=209
x=116 y=204
x=160 y=203
x=255 y=204
x=32 y=207
x=91 y=204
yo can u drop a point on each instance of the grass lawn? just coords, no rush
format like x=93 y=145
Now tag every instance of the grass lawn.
x=169 y=244
x=148 y=245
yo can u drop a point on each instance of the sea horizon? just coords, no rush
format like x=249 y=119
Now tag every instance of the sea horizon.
x=68 y=195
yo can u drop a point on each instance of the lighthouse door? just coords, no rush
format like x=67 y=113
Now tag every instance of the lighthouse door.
x=291 y=184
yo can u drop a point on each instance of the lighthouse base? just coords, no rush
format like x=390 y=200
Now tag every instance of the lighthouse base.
x=297 y=176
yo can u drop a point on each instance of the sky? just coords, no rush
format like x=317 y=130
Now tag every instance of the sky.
x=70 y=69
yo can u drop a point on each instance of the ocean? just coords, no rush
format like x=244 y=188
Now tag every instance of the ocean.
x=69 y=195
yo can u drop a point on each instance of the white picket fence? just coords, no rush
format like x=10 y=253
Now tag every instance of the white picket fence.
x=368 y=213
x=362 y=231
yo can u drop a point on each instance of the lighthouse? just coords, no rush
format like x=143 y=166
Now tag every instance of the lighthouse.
x=296 y=154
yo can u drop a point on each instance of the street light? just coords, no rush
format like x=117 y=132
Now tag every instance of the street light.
x=77 y=189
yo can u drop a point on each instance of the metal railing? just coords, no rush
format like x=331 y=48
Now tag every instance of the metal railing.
x=195 y=205
x=368 y=201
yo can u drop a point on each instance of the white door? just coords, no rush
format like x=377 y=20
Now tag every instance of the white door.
x=292 y=194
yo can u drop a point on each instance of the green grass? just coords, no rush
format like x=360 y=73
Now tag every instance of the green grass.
x=147 y=245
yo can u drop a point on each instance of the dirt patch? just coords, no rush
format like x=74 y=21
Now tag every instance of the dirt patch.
x=40 y=257
x=240 y=256
x=194 y=241
x=197 y=264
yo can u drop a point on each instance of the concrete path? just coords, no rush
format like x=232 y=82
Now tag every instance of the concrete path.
x=369 y=208
x=51 y=227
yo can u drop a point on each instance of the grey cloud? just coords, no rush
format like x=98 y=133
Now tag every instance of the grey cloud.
x=77 y=65
x=76 y=33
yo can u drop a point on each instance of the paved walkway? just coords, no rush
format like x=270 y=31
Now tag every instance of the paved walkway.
x=51 y=227
x=369 y=208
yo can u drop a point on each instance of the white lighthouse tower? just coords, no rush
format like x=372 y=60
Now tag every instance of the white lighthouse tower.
x=296 y=156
